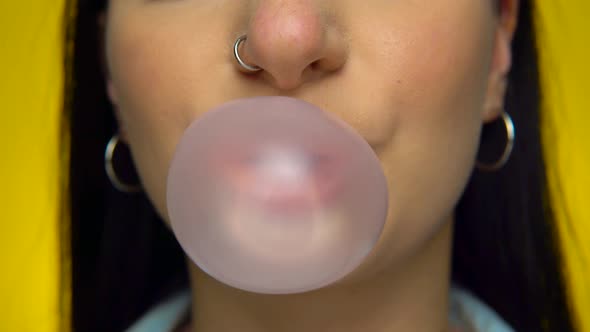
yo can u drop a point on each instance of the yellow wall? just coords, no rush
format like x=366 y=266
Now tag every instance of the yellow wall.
x=30 y=98
x=565 y=51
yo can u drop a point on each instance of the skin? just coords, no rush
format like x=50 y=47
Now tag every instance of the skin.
x=416 y=78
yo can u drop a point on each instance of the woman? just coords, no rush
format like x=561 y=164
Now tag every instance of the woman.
x=426 y=83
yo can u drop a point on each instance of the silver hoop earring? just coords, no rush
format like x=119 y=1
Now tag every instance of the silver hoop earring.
x=110 y=169
x=510 y=135
x=241 y=62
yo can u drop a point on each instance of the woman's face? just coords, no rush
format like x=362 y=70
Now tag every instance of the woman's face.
x=415 y=78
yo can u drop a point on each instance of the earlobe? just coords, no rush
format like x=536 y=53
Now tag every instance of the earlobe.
x=501 y=62
x=114 y=98
x=112 y=93
x=494 y=104
x=111 y=90
x=498 y=77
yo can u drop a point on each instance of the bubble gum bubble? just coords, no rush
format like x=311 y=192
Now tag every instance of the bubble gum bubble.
x=274 y=195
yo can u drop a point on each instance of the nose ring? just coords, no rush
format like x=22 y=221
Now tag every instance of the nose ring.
x=241 y=62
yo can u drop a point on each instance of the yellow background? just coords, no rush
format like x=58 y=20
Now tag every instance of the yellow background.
x=30 y=98
x=563 y=29
x=31 y=76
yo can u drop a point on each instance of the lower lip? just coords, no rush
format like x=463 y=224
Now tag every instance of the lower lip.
x=314 y=188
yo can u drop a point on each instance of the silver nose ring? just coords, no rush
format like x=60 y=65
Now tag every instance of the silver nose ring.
x=241 y=62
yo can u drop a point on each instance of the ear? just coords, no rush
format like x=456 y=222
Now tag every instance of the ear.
x=110 y=87
x=502 y=59
x=101 y=22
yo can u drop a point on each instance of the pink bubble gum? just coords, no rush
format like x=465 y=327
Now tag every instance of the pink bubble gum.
x=274 y=195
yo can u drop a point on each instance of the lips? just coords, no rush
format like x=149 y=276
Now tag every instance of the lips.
x=283 y=181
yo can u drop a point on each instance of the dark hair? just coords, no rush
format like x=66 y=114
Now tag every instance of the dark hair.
x=125 y=260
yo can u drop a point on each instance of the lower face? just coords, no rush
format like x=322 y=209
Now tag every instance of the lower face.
x=413 y=86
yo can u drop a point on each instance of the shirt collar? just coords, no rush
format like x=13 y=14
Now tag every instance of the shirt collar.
x=465 y=310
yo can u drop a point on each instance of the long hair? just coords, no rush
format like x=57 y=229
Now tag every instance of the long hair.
x=506 y=247
x=125 y=260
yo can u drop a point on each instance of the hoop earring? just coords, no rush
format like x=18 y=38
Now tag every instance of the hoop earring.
x=244 y=65
x=110 y=169
x=510 y=135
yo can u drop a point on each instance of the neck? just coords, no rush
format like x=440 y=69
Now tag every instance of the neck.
x=412 y=296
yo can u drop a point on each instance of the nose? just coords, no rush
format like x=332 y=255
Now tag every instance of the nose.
x=293 y=42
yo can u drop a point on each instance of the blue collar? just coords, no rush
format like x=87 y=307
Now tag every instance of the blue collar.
x=465 y=310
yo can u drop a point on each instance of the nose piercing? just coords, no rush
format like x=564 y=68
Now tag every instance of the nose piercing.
x=241 y=62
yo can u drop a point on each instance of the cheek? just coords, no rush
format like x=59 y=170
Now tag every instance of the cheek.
x=441 y=132
x=429 y=154
x=156 y=83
